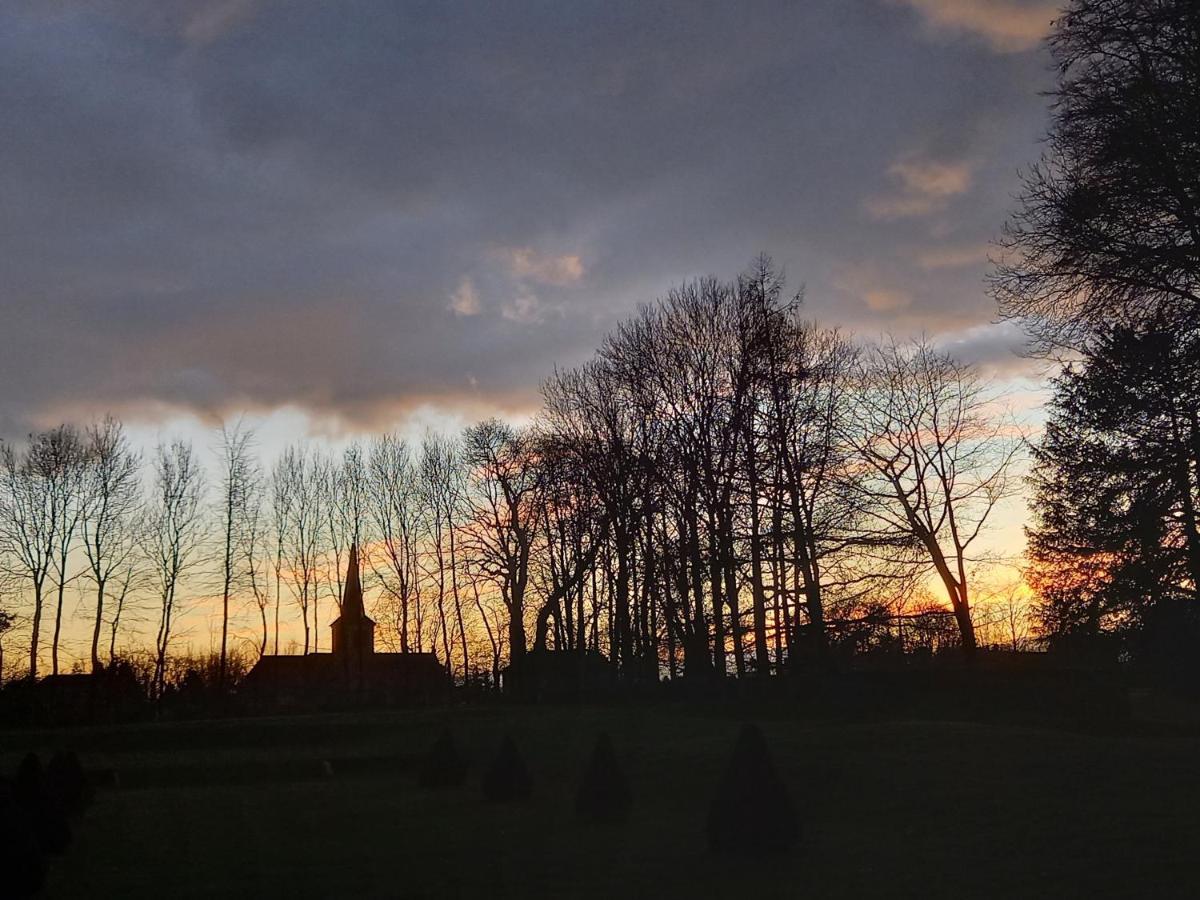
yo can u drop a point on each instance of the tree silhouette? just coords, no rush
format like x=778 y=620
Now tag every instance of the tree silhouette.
x=1115 y=531
x=1108 y=227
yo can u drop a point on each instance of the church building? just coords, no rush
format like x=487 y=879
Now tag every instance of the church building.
x=353 y=673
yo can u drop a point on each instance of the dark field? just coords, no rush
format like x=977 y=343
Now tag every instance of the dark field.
x=889 y=809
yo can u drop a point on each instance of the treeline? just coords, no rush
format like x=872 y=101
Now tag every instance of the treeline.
x=1102 y=264
x=726 y=487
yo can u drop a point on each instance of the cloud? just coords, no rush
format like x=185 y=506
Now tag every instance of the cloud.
x=868 y=286
x=465 y=299
x=999 y=348
x=933 y=259
x=211 y=21
x=923 y=187
x=883 y=301
x=525 y=308
x=525 y=263
x=1007 y=25
x=286 y=219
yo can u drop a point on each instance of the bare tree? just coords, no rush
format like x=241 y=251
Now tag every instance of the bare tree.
x=173 y=536
x=127 y=579
x=37 y=492
x=60 y=460
x=237 y=476
x=281 y=511
x=393 y=498
x=1108 y=226
x=111 y=503
x=443 y=492
x=298 y=474
x=505 y=512
x=936 y=454
x=254 y=550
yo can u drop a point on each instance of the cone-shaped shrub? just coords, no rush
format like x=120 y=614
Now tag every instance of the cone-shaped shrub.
x=751 y=812
x=442 y=766
x=604 y=795
x=507 y=777
x=68 y=783
x=22 y=868
x=50 y=826
x=39 y=808
x=28 y=783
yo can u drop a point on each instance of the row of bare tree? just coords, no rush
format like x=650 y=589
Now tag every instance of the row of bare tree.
x=724 y=487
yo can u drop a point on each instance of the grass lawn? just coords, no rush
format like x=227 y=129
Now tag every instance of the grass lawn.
x=889 y=809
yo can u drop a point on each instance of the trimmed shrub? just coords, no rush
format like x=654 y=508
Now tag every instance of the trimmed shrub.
x=443 y=766
x=751 y=812
x=507 y=777
x=41 y=810
x=68 y=783
x=604 y=796
x=28 y=783
x=22 y=868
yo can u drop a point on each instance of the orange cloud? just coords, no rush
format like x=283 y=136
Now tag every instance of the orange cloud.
x=935 y=258
x=208 y=22
x=922 y=187
x=1010 y=26
x=880 y=300
x=527 y=264
x=465 y=299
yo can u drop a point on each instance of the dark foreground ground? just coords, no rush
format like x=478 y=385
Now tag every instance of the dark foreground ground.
x=327 y=806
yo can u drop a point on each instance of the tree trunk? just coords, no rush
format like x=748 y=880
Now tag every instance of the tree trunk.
x=57 y=626
x=99 y=623
x=762 y=659
x=37 y=630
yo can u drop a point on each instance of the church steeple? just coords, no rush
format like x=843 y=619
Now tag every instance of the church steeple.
x=352 y=598
x=353 y=632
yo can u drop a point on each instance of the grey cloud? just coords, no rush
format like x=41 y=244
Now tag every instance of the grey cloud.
x=221 y=204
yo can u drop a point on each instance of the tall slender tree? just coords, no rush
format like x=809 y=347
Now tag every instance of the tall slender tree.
x=112 y=503
x=236 y=488
x=173 y=538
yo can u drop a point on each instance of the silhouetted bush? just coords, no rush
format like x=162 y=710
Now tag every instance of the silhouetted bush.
x=28 y=781
x=22 y=868
x=507 y=778
x=751 y=812
x=40 y=809
x=68 y=783
x=604 y=795
x=442 y=766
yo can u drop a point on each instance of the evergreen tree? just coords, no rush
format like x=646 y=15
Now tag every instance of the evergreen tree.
x=1115 y=486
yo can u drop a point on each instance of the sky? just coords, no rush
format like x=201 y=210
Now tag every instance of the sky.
x=337 y=219
x=344 y=218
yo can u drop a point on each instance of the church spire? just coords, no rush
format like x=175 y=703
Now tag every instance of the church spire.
x=352 y=596
x=353 y=632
